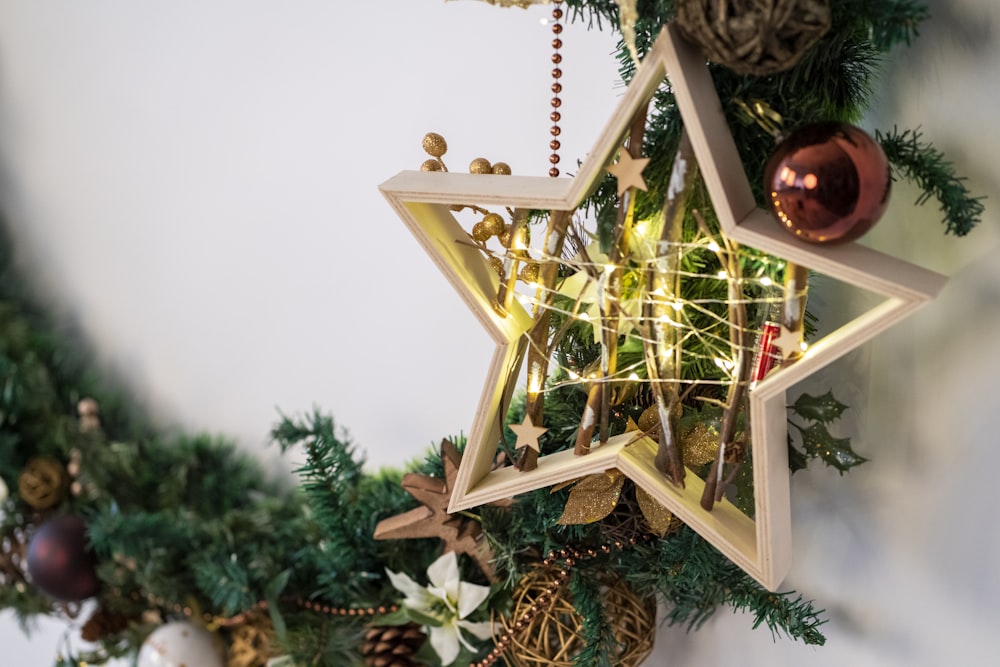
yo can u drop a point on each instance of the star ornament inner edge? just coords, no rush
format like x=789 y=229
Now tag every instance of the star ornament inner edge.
x=762 y=547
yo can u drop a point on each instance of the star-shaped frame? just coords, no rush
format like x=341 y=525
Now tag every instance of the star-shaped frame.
x=760 y=546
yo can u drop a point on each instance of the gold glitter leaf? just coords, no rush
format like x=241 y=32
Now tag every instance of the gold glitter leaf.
x=593 y=498
x=658 y=517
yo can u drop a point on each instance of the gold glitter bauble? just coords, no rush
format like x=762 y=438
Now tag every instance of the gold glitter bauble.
x=649 y=419
x=480 y=166
x=497 y=265
x=252 y=643
x=529 y=273
x=501 y=168
x=434 y=144
x=493 y=223
x=504 y=236
x=480 y=233
x=700 y=445
x=43 y=483
x=551 y=637
x=431 y=165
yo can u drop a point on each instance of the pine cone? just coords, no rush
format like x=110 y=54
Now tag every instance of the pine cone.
x=102 y=623
x=392 y=645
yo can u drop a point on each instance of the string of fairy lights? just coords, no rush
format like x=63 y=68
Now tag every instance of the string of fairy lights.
x=582 y=296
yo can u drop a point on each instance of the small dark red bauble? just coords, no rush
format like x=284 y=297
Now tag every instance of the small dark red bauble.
x=828 y=183
x=59 y=562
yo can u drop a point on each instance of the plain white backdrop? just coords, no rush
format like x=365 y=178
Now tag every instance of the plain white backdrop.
x=195 y=183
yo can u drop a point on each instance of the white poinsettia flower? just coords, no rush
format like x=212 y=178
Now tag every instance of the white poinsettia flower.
x=447 y=600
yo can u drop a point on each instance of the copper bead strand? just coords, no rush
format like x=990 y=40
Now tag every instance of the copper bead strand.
x=555 y=116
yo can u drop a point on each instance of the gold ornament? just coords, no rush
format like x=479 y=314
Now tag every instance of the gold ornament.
x=529 y=273
x=434 y=144
x=700 y=444
x=504 y=236
x=596 y=496
x=593 y=498
x=494 y=224
x=658 y=518
x=480 y=232
x=251 y=643
x=43 y=482
x=551 y=636
x=432 y=165
x=501 y=169
x=497 y=265
x=480 y=166
x=649 y=420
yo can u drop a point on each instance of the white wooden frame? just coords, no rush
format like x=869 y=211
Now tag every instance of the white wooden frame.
x=762 y=547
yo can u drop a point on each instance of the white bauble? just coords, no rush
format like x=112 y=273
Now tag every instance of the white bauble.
x=180 y=644
x=3 y=490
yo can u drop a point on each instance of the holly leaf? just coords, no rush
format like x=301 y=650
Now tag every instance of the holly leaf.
x=744 y=498
x=796 y=459
x=824 y=409
x=819 y=443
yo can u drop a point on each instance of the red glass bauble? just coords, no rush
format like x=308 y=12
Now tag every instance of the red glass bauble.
x=59 y=562
x=828 y=183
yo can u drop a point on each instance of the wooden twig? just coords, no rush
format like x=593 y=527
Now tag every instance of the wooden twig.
x=538 y=347
x=663 y=349
x=715 y=485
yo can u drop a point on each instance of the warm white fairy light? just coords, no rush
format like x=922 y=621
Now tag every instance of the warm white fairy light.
x=701 y=326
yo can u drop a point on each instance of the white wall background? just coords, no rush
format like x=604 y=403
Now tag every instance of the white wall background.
x=196 y=184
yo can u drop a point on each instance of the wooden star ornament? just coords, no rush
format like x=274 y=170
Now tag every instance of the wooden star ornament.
x=527 y=434
x=762 y=545
x=432 y=519
x=789 y=342
x=628 y=172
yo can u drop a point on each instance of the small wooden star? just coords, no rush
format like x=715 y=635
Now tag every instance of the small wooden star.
x=527 y=434
x=431 y=519
x=789 y=342
x=628 y=171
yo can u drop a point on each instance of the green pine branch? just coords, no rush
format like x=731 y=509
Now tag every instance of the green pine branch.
x=927 y=167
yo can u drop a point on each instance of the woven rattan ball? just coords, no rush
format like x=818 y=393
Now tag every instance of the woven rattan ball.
x=756 y=37
x=551 y=638
x=43 y=482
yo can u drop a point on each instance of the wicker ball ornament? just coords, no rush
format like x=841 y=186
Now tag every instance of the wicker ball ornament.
x=43 y=482
x=551 y=638
x=757 y=37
